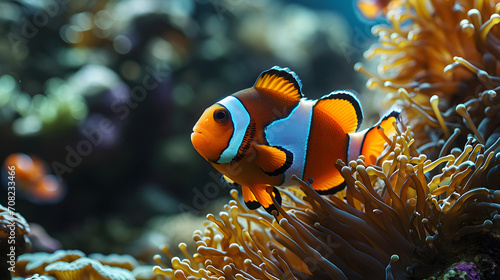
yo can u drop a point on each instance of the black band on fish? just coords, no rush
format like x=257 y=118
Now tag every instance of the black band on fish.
x=333 y=190
x=246 y=143
x=278 y=198
x=252 y=205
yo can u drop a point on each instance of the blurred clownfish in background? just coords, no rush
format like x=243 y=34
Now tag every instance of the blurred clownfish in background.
x=32 y=180
x=372 y=9
x=259 y=137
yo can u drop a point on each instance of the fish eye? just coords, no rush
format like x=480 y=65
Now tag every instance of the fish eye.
x=221 y=115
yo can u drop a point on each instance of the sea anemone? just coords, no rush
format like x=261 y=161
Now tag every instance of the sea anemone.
x=435 y=47
x=434 y=56
x=395 y=220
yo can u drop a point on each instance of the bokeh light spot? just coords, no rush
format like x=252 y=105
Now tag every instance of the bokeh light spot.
x=213 y=49
x=26 y=126
x=130 y=69
x=183 y=95
x=122 y=44
x=70 y=34
x=162 y=49
x=9 y=12
x=103 y=20
x=7 y=83
x=22 y=103
x=78 y=110
x=7 y=86
x=82 y=20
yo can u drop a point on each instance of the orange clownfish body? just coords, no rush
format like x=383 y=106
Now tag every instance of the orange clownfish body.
x=30 y=177
x=259 y=137
x=372 y=9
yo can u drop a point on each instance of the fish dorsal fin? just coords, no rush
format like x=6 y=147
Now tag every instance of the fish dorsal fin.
x=344 y=107
x=273 y=160
x=281 y=82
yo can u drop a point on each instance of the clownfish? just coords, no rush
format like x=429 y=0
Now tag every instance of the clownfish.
x=259 y=137
x=31 y=179
x=372 y=9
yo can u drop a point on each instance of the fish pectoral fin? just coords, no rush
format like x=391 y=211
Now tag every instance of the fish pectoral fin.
x=273 y=160
x=282 y=82
x=249 y=198
x=376 y=137
x=342 y=107
x=259 y=196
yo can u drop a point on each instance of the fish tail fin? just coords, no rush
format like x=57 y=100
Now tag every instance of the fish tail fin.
x=377 y=136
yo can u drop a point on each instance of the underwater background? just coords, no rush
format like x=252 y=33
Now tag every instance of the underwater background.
x=98 y=100
x=67 y=66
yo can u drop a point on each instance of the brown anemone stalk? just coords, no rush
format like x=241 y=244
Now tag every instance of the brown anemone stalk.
x=435 y=55
x=395 y=220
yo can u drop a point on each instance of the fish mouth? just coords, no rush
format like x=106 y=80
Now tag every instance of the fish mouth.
x=201 y=136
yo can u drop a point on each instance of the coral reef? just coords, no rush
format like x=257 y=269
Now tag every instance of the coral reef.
x=459 y=271
x=14 y=231
x=428 y=208
x=74 y=264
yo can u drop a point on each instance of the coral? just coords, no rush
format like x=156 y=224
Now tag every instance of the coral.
x=35 y=263
x=74 y=264
x=85 y=267
x=123 y=261
x=466 y=271
x=469 y=269
x=13 y=222
x=35 y=277
x=14 y=231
